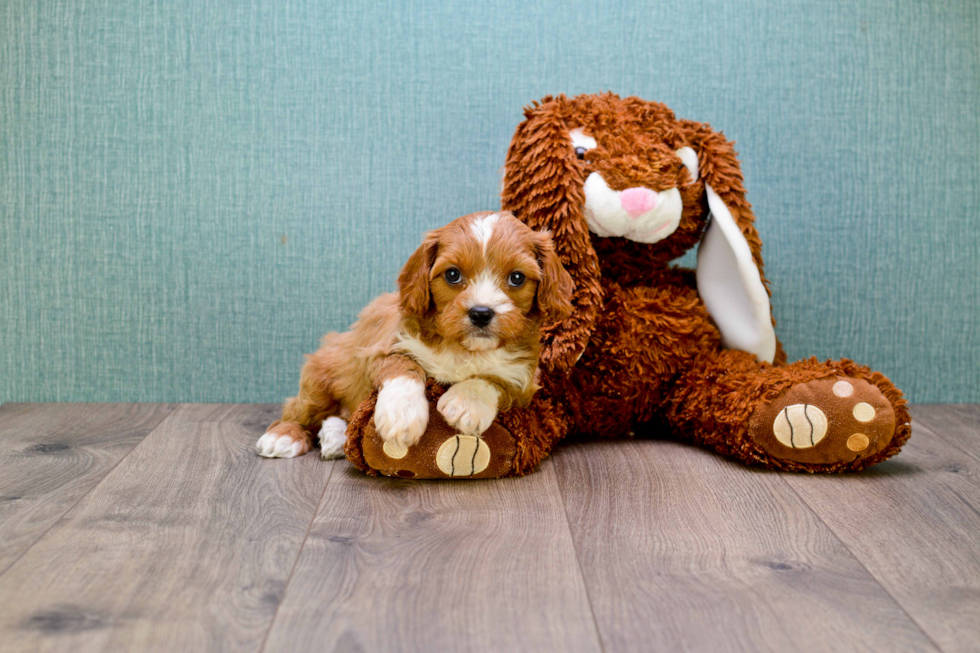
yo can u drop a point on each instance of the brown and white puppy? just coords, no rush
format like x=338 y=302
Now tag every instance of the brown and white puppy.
x=470 y=305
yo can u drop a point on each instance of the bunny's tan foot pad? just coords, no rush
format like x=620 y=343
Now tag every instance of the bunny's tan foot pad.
x=442 y=452
x=830 y=422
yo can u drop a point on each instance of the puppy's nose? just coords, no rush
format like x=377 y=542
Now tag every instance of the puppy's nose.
x=481 y=315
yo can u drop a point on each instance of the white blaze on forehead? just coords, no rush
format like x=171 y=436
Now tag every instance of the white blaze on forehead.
x=482 y=228
x=485 y=292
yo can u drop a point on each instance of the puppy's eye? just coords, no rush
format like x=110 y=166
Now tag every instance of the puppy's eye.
x=580 y=152
x=453 y=276
x=515 y=280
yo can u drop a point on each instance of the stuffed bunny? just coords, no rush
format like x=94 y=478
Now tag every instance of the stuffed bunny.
x=625 y=188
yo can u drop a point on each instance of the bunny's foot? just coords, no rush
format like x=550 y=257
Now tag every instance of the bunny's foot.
x=513 y=445
x=831 y=424
x=441 y=452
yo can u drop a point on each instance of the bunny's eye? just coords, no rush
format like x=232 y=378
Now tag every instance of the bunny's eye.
x=581 y=142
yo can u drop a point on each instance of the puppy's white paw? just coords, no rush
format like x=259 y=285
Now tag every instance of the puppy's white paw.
x=333 y=435
x=280 y=445
x=402 y=412
x=470 y=406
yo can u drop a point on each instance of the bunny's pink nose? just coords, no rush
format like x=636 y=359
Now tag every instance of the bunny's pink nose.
x=637 y=201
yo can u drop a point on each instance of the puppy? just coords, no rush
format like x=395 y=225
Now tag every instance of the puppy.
x=470 y=305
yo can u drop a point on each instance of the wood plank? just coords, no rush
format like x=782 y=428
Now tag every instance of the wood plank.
x=683 y=550
x=437 y=566
x=186 y=545
x=958 y=424
x=53 y=454
x=914 y=522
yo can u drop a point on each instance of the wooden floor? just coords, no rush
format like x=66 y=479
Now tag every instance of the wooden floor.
x=131 y=527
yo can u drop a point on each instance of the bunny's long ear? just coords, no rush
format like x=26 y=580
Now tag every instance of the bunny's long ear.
x=543 y=188
x=729 y=271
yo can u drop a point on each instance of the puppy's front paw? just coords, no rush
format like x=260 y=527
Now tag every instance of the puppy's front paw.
x=469 y=406
x=401 y=412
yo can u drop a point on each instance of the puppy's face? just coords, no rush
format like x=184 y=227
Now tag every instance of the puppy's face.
x=485 y=280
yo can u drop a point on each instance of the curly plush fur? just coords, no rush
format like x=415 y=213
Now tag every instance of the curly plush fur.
x=641 y=349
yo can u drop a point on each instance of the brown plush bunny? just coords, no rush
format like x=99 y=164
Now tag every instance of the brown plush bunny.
x=625 y=188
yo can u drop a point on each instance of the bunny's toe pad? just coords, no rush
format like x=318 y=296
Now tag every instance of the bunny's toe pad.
x=825 y=422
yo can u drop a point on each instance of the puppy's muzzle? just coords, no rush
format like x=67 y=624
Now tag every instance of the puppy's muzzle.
x=481 y=316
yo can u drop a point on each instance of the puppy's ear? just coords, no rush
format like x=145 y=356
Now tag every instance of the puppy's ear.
x=555 y=289
x=413 y=282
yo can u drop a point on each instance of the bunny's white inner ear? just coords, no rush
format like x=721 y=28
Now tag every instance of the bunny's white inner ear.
x=731 y=287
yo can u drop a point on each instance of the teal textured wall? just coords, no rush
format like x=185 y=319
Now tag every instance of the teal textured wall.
x=192 y=192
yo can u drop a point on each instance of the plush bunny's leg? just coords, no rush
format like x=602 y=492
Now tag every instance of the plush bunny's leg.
x=536 y=430
x=513 y=445
x=806 y=416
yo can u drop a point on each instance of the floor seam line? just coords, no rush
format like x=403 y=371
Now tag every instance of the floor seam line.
x=578 y=561
x=863 y=566
x=90 y=490
x=299 y=554
x=951 y=442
